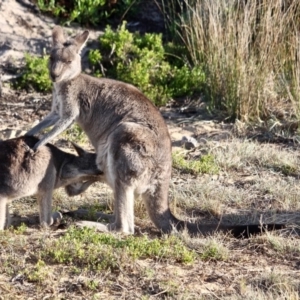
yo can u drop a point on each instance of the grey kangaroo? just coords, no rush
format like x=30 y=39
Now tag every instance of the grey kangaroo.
x=129 y=135
x=25 y=173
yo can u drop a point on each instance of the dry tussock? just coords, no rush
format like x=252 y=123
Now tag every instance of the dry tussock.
x=249 y=52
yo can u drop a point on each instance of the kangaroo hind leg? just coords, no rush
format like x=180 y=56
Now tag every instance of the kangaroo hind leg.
x=123 y=217
x=45 y=202
x=157 y=205
x=123 y=209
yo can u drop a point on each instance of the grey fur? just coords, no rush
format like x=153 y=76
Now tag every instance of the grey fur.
x=25 y=173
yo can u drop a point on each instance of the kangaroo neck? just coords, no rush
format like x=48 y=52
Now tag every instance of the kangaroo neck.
x=62 y=85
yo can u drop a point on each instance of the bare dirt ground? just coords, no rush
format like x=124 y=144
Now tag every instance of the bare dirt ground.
x=257 y=181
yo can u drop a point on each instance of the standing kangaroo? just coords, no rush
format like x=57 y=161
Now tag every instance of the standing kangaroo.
x=24 y=173
x=129 y=135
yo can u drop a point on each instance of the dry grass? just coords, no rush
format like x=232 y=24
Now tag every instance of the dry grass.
x=224 y=268
x=250 y=155
x=249 y=187
x=248 y=50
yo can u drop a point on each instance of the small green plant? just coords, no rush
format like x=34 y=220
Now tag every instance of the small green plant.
x=21 y=229
x=38 y=273
x=86 y=247
x=144 y=62
x=92 y=285
x=51 y=6
x=88 y=11
x=213 y=250
x=36 y=74
x=95 y=58
x=206 y=164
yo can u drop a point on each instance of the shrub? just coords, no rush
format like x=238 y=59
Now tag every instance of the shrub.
x=93 y=12
x=35 y=75
x=144 y=62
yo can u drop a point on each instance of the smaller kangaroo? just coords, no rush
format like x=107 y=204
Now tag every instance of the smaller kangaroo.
x=24 y=173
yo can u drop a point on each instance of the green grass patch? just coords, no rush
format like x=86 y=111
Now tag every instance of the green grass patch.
x=88 y=248
x=279 y=244
x=20 y=229
x=205 y=164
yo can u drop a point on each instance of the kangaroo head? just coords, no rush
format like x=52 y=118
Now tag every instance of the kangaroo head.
x=65 y=60
x=79 y=168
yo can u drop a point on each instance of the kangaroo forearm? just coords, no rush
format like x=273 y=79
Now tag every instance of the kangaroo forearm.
x=59 y=127
x=50 y=120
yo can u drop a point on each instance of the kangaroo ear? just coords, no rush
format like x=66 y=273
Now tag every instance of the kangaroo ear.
x=81 y=39
x=80 y=151
x=58 y=35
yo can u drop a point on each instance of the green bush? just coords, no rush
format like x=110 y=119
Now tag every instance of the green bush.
x=35 y=75
x=92 y=12
x=143 y=61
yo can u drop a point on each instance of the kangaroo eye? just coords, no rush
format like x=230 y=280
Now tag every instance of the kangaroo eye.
x=69 y=62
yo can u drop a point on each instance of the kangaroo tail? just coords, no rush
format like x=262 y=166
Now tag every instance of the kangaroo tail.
x=238 y=231
x=161 y=215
